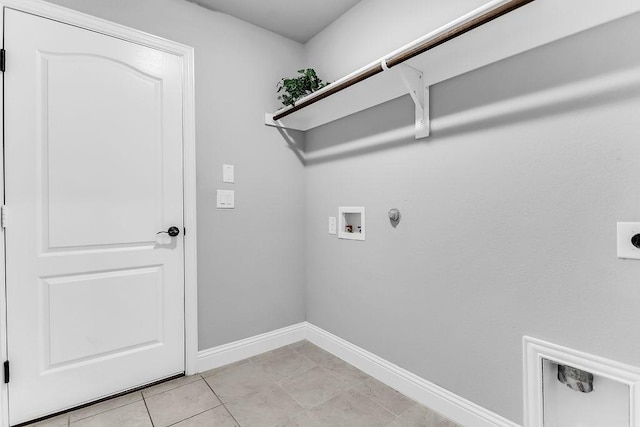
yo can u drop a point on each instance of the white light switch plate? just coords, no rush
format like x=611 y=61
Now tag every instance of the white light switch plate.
x=626 y=230
x=226 y=199
x=332 y=225
x=228 y=174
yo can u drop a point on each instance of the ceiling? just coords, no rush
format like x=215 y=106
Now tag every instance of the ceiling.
x=298 y=20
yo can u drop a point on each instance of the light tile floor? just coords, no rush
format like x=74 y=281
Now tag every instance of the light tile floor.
x=297 y=385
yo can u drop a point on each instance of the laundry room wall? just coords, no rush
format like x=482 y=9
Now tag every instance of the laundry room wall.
x=508 y=210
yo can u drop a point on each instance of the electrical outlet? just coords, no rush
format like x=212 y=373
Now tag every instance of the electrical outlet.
x=228 y=174
x=332 y=225
x=626 y=231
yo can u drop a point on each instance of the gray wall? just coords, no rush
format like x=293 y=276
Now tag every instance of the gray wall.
x=509 y=213
x=250 y=262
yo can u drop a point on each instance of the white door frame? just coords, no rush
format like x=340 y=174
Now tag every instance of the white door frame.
x=78 y=19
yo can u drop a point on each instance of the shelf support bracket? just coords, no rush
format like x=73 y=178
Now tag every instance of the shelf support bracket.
x=419 y=92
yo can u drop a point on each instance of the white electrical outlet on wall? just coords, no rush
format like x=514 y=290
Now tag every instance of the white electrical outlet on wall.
x=228 y=174
x=332 y=225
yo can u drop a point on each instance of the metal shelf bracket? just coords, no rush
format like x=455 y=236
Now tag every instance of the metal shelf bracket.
x=419 y=93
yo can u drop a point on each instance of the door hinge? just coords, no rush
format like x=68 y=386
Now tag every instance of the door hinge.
x=3 y=60
x=3 y=216
x=6 y=372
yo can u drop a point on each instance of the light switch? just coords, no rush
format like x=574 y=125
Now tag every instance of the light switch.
x=226 y=199
x=228 y=174
x=332 y=225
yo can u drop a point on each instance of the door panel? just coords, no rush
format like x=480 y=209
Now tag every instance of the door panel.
x=71 y=330
x=93 y=154
x=127 y=202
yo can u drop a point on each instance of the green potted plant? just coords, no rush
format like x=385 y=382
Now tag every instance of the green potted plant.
x=294 y=88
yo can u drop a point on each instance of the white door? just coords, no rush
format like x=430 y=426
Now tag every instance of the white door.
x=93 y=155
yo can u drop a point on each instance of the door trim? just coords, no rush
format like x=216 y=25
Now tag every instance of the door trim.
x=72 y=17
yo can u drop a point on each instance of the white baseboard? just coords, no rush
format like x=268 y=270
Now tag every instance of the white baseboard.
x=249 y=347
x=422 y=391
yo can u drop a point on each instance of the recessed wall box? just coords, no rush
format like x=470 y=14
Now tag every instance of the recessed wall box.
x=351 y=223
x=566 y=387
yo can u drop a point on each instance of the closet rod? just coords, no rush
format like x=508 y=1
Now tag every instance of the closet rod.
x=436 y=39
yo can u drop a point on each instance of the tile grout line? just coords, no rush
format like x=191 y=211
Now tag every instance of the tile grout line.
x=373 y=401
x=316 y=365
x=220 y=400
x=147 y=408
x=144 y=399
x=353 y=387
x=349 y=387
x=172 y=388
x=304 y=408
x=380 y=404
x=193 y=416
x=406 y=410
x=328 y=371
x=275 y=382
x=100 y=412
x=233 y=417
